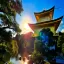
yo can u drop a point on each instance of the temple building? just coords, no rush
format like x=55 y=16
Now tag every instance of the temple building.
x=45 y=20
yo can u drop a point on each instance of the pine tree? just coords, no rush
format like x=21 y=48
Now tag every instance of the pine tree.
x=8 y=11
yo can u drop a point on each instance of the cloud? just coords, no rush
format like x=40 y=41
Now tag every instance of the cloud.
x=62 y=30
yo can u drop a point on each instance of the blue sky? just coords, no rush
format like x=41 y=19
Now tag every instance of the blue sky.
x=31 y=6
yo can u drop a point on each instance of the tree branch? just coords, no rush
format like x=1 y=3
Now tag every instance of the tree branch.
x=7 y=27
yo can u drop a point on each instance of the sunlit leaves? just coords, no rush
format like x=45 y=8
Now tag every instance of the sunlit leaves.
x=14 y=47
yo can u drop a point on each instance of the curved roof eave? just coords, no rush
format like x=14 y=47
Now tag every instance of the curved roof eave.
x=47 y=23
x=45 y=11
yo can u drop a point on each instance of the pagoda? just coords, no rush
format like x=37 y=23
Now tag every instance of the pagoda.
x=45 y=20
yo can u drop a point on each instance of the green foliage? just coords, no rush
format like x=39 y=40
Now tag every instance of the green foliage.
x=43 y=44
x=8 y=46
x=14 y=48
x=37 y=57
x=9 y=62
x=7 y=15
x=8 y=50
x=5 y=36
x=60 y=43
x=8 y=7
x=4 y=54
x=38 y=46
x=63 y=48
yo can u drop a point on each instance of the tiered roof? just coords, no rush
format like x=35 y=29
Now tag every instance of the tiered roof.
x=45 y=13
x=50 y=23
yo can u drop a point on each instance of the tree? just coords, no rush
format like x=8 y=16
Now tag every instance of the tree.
x=8 y=11
x=39 y=52
x=45 y=44
x=20 y=42
x=44 y=47
x=37 y=57
x=60 y=43
x=39 y=46
x=49 y=43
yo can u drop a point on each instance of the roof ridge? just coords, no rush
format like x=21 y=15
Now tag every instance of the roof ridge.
x=51 y=20
x=45 y=10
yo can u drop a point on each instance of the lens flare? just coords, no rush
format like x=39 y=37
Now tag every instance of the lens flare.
x=24 y=24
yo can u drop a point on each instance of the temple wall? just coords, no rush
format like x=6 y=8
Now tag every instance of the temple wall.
x=36 y=31
x=42 y=19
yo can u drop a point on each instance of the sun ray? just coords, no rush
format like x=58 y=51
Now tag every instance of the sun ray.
x=24 y=24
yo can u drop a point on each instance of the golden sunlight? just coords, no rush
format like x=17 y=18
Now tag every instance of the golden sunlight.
x=26 y=27
x=24 y=24
x=26 y=61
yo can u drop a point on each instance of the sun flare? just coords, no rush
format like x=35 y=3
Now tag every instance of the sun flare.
x=24 y=24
